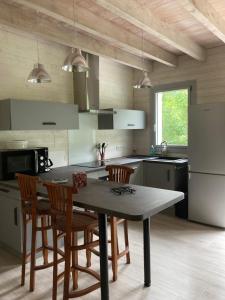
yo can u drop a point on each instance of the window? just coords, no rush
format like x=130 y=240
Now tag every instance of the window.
x=172 y=117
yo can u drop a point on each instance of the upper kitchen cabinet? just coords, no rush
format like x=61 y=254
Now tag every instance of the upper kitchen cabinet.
x=37 y=115
x=121 y=119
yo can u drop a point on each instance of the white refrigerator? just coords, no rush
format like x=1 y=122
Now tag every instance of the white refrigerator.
x=206 y=188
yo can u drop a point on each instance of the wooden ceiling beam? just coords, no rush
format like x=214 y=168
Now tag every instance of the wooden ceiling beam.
x=28 y=23
x=145 y=20
x=206 y=14
x=100 y=28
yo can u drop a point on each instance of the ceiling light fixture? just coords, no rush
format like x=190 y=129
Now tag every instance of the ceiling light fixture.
x=75 y=61
x=145 y=81
x=38 y=73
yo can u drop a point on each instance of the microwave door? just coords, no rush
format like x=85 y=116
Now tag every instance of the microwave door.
x=18 y=161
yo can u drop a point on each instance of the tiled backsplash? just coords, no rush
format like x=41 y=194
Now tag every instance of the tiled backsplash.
x=56 y=141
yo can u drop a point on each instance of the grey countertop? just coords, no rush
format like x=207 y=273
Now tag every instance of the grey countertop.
x=65 y=172
x=119 y=161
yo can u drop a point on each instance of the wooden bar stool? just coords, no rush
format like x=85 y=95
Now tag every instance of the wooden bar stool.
x=120 y=174
x=66 y=223
x=35 y=210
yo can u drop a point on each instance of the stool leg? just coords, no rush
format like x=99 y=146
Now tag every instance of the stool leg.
x=55 y=264
x=74 y=261
x=33 y=253
x=89 y=238
x=44 y=239
x=67 y=268
x=88 y=252
x=24 y=249
x=114 y=247
x=126 y=240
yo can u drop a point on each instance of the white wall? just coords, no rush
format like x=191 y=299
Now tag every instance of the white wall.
x=210 y=80
x=17 y=56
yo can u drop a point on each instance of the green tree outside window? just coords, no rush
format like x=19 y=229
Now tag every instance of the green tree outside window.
x=174 y=119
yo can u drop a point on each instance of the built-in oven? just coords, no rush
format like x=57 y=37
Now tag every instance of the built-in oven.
x=28 y=161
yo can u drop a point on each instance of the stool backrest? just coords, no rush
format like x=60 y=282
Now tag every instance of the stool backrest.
x=118 y=173
x=60 y=197
x=28 y=189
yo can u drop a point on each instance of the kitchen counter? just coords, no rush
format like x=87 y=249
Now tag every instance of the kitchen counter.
x=66 y=171
x=179 y=161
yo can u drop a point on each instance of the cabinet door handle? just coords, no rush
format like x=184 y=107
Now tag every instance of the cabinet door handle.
x=48 y=123
x=129 y=124
x=168 y=175
x=15 y=216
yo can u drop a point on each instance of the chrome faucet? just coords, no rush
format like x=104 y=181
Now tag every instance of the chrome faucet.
x=163 y=147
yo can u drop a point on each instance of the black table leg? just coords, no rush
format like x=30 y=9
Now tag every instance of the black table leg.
x=147 y=262
x=103 y=245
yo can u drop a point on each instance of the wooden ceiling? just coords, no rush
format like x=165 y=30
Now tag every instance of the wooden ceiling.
x=124 y=30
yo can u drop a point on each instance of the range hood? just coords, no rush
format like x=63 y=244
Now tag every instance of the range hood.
x=86 y=87
x=87 y=97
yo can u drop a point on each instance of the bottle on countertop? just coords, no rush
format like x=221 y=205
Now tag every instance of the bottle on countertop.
x=152 y=151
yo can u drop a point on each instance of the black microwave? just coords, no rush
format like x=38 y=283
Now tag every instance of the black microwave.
x=27 y=161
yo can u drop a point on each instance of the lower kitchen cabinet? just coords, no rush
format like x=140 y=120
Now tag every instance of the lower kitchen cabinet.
x=11 y=223
x=10 y=220
x=168 y=176
x=159 y=175
x=137 y=176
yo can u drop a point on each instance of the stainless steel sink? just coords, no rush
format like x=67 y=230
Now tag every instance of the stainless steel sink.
x=168 y=158
x=162 y=158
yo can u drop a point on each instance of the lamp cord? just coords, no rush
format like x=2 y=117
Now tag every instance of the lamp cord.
x=38 y=55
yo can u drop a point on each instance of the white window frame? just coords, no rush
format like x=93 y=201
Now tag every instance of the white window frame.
x=191 y=86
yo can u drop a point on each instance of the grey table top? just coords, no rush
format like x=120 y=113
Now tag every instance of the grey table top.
x=98 y=196
x=144 y=203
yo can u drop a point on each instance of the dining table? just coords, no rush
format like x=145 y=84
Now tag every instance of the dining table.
x=139 y=205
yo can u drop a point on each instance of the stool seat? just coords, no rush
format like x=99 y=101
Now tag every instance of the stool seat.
x=43 y=207
x=81 y=221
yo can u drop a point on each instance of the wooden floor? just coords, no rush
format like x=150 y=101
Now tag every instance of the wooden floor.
x=188 y=263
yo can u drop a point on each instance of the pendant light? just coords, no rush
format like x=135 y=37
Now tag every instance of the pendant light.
x=145 y=81
x=75 y=61
x=38 y=74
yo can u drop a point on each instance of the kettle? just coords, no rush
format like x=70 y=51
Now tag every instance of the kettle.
x=48 y=164
x=163 y=148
